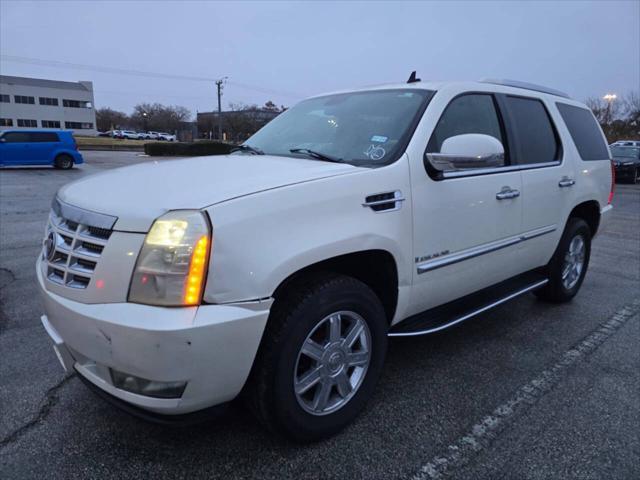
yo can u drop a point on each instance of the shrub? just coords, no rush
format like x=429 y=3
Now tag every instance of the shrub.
x=193 y=149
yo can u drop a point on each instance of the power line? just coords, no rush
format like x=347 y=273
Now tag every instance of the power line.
x=138 y=73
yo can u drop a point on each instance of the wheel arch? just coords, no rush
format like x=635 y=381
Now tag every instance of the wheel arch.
x=376 y=268
x=589 y=211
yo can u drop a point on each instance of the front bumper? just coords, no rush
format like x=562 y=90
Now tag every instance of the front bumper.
x=211 y=347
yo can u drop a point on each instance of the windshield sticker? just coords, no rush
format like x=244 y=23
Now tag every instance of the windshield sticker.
x=379 y=138
x=375 y=152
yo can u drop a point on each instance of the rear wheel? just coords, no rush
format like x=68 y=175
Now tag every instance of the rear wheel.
x=320 y=358
x=636 y=176
x=65 y=162
x=569 y=263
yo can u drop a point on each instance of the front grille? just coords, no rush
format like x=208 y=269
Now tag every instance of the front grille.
x=74 y=251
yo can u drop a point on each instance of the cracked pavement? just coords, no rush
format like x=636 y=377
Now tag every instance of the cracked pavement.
x=435 y=391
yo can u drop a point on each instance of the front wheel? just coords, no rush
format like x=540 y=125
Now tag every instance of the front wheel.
x=321 y=356
x=569 y=263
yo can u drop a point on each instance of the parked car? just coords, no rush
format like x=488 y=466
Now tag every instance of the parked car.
x=108 y=133
x=280 y=271
x=626 y=143
x=117 y=134
x=144 y=136
x=34 y=147
x=130 y=134
x=627 y=163
x=154 y=135
x=166 y=137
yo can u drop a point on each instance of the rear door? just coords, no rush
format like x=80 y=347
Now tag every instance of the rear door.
x=43 y=145
x=465 y=230
x=15 y=149
x=548 y=177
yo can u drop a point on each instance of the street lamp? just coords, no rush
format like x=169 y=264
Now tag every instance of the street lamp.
x=610 y=97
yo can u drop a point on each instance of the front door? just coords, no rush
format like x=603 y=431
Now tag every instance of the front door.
x=15 y=149
x=467 y=223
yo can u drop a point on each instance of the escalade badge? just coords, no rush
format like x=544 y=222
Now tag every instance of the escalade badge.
x=50 y=246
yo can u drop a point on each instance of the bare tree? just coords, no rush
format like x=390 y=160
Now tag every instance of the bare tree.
x=109 y=119
x=158 y=117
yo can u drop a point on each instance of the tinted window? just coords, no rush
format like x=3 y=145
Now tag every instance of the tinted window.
x=585 y=132
x=5 y=98
x=78 y=125
x=473 y=113
x=6 y=122
x=537 y=139
x=48 y=101
x=22 y=122
x=43 y=137
x=16 y=137
x=50 y=124
x=24 y=99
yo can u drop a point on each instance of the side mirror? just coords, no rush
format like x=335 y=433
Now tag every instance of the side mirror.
x=470 y=150
x=3 y=140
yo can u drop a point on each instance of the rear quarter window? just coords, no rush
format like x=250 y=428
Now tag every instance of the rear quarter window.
x=585 y=132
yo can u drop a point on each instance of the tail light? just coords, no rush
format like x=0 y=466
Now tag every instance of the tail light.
x=613 y=183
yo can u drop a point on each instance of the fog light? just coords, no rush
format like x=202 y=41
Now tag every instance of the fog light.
x=148 y=388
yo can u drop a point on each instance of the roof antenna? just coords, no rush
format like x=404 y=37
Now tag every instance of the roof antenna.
x=412 y=78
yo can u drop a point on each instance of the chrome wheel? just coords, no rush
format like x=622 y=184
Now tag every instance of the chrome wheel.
x=332 y=363
x=573 y=262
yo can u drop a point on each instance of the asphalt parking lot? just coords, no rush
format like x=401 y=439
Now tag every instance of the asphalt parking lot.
x=528 y=390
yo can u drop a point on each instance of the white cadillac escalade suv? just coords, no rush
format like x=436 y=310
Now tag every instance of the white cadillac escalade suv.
x=278 y=272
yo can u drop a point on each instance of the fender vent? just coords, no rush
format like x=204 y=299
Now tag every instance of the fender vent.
x=384 y=202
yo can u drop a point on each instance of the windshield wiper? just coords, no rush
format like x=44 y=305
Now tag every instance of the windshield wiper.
x=247 y=148
x=318 y=155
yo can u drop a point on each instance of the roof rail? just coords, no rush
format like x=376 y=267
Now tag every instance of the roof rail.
x=525 y=85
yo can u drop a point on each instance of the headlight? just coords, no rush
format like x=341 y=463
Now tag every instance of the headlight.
x=171 y=267
x=627 y=163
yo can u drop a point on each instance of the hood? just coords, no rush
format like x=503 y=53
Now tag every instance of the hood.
x=140 y=193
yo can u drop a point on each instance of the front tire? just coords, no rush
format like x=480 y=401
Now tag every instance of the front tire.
x=320 y=359
x=568 y=266
x=64 y=162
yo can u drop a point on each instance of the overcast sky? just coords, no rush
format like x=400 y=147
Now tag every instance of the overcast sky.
x=284 y=51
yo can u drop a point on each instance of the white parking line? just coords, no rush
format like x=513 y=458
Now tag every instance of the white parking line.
x=482 y=433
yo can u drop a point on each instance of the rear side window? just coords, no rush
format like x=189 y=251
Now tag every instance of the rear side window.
x=41 y=137
x=585 y=132
x=537 y=137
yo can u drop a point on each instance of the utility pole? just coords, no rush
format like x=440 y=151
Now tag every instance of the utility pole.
x=219 y=84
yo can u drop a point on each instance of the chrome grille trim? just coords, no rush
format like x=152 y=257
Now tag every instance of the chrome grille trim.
x=77 y=248
x=82 y=216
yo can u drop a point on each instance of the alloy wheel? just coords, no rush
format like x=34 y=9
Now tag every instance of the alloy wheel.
x=332 y=363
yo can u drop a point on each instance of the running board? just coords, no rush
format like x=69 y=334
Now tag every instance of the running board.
x=458 y=311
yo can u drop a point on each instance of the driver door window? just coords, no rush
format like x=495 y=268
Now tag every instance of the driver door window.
x=466 y=114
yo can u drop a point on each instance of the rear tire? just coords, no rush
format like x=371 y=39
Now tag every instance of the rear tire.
x=636 y=176
x=326 y=314
x=64 y=162
x=568 y=266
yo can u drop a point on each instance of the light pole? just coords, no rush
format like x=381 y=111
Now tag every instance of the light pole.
x=219 y=84
x=609 y=98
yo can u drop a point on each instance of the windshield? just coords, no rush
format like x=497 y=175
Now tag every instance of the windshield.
x=369 y=128
x=626 y=152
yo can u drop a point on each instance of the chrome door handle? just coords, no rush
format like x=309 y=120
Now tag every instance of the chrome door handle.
x=566 y=182
x=506 y=193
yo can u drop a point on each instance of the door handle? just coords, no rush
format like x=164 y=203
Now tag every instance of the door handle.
x=507 y=193
x=566 y=182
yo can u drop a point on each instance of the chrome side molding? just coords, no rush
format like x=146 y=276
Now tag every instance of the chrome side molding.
x=481 y=249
